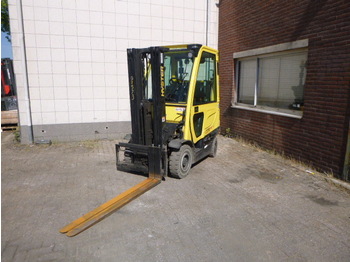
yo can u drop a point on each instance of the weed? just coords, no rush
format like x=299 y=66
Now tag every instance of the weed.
x=228 y=133
x=296 y=162
x=17 y=135
x=89 y=144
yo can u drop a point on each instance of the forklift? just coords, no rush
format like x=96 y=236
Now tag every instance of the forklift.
x=175 y=119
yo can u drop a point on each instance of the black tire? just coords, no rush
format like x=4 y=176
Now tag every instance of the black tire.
x=180 y=162
x=214 y=148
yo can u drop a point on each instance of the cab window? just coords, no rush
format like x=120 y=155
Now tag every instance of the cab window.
x=205 y=91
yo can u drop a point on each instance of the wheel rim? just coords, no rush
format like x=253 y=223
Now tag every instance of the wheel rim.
x=185 y=162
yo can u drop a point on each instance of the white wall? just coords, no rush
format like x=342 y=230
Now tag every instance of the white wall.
x=76 y=52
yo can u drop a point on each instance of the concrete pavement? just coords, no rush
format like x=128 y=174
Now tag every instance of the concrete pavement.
x=243 y=205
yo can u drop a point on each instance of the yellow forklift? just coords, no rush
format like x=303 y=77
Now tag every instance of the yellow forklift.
x=175 y=118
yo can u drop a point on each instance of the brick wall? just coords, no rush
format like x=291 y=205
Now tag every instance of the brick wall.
x=320 y=136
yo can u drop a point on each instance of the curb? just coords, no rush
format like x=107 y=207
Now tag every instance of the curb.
x=338 y=182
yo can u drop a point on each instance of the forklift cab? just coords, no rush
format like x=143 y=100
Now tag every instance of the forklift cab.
x=191 y=90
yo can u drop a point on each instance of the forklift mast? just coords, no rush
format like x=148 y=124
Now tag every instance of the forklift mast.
x=147 y=95
x=147 y=90
x=147 y=103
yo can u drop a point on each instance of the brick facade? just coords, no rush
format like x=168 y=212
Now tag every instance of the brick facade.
x=320 y=136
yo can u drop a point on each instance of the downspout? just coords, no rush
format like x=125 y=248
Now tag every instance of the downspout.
x=207 y=24
x=29 y=138
x=346 y=170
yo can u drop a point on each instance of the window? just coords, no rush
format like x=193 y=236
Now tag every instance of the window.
x=205 y=91
x=273 y=81
x=178 y=69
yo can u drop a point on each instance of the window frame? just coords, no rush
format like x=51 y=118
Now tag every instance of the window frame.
x=260 y=53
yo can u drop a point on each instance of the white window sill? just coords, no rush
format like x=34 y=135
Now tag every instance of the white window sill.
x=268 y=110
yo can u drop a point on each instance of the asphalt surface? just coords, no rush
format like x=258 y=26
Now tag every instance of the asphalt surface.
x=244 y=205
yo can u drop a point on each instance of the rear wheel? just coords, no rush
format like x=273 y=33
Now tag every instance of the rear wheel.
x=180 y=162
x=214 y=148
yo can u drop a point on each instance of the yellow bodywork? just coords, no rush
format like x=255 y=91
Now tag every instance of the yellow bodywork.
x=210 y=111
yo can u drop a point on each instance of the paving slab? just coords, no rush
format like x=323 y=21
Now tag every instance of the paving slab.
x=244 y=205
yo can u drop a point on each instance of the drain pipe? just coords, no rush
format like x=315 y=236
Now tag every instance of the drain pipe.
x=27 y=136
x=346 y=170
x=207 y=24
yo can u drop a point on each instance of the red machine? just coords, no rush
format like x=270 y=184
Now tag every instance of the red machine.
x=8 y=86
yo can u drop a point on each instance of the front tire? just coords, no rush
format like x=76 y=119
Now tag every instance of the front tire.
x=180 y=162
